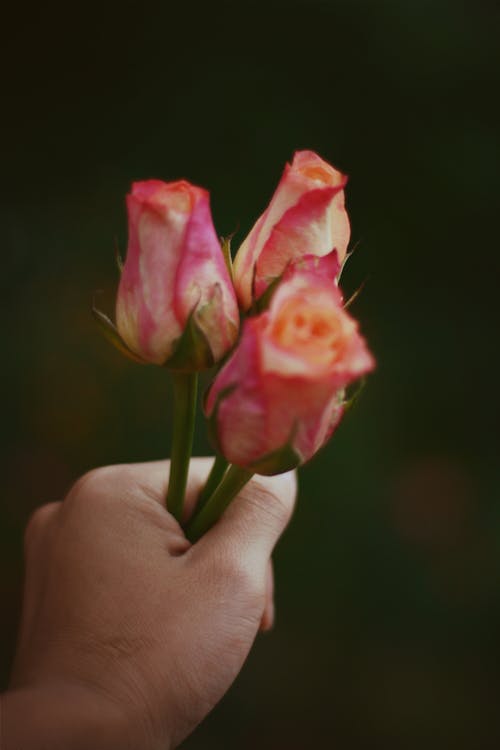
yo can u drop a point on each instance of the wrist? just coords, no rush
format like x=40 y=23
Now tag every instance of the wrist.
x=68 y=717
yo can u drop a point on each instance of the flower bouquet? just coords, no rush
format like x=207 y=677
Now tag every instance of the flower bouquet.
x=273 y=325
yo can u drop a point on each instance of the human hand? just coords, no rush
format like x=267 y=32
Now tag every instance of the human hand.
x=130 y=635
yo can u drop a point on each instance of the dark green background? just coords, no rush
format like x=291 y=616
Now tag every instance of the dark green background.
x=388 y=580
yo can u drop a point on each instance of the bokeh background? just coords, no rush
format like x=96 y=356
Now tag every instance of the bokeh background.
x=388 y=580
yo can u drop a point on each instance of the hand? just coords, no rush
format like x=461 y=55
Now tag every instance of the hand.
x=130 y=635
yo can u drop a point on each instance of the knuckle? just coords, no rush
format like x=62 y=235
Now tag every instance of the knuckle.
x=274 y=505
x=93 y=484
x=85 y=484
x=37 y=522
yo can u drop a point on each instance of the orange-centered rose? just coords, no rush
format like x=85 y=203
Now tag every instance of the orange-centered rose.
x=313 y=331
x=283 y=386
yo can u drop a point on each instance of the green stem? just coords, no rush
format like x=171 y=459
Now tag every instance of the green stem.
x=185 y=390
x=204 y=519
x=217 y=471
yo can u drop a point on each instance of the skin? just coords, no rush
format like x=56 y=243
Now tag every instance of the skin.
x=129 y=634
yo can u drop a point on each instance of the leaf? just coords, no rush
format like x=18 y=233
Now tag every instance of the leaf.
x=109 y=331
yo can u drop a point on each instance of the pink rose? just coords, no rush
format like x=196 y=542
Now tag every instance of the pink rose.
x=306 y=216
x=176 y=304
x=282 y=390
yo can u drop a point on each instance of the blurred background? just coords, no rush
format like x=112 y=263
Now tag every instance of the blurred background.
x=388 y=580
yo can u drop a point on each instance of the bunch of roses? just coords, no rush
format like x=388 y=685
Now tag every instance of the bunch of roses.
x=274 y=323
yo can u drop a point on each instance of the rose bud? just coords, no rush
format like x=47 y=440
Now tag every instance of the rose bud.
x=176 y=304
x=281 y=394
x=306 y=216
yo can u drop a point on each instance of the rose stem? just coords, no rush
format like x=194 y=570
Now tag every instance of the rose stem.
x=185 y=390
x=217 y=471
x=204 y=519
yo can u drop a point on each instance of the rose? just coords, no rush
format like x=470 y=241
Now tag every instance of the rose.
x=281 y=394
x=176 y=304
x=306 y=215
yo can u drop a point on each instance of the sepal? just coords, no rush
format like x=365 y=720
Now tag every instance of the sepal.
x=118 y=258
x=351 y=401
x=109 y=331
x=226 y=252
x=262 y=303
x=354 y=295
x=191 y=350
x=346 y=258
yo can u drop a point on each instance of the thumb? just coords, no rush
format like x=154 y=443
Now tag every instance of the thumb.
x=256 y=518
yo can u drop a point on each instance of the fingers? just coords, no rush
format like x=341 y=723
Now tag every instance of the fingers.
x=256 y=518
x=268 y=615
x=253 y=522
x=153 y=476
x=134 y=494
x=152 y=479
